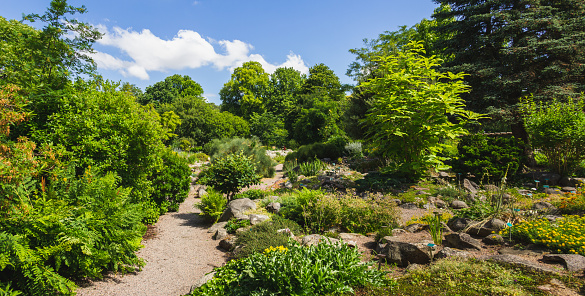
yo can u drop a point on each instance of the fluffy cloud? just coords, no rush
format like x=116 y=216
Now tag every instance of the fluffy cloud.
x=147 y=52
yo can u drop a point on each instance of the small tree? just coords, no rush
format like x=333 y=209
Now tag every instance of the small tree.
x=557 y=129
x=231 y=173
x=415 y=109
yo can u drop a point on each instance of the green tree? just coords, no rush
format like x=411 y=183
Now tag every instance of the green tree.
x=269 y=128
x=284 y=86
x=246 y=91
x=515 y=48
x=415 y=108
x=170 y=89
x=231 y=173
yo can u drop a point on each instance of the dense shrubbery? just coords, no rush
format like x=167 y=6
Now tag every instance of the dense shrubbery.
x=248 y=147
x=331 y=150
x=291 y=269
x=212 y=205
x=319 y=212
x=264 y=235
x=481 y=155
x=230 y=173
x=171 y=182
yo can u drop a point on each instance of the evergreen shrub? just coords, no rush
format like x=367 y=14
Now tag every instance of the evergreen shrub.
x=249 y=147
x=171 y=182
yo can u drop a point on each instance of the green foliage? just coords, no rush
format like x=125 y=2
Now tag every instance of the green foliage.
x=244 y=94
x=564 y=236
x=415 y=107
x=269 y=128
x=171 y=88
x=212 y=205
x=235 y=224
x=557 y=129
x=311 y=168
x=249 y=147
x=321 y=269
x=436 y=228
x=380 y=182
x=354 y=150
x=171 y=182
x=229 y=174
x=264 y=235
x=317 y=150
x=252 y=194
x=494 y=156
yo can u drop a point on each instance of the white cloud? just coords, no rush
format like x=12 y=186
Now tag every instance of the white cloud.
x=147 y=52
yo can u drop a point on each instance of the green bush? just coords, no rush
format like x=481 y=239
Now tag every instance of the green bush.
x=354 y=150
x=235 y=224
x=317 y=150
x=311 y=168
x=557 y=129
x=252 y=194
x=264 y=235
x=249 y=147
x=212 y=205
x=494 y=156
x=229 y=174
x=290 y=269
x=171 y=183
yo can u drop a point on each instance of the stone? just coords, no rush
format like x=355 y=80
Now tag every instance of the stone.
x=443 y=175
x=447 y=252
x=202 y=281
x=572 y=262
x=518 y=252
x=397 y=201
x=236 y=209
x=440 y=204
x=273 y=207
x=458 y=224
x=413 y=267
x=556 y=287
x=404 y=253
x=257 y=219
x=462 y=241
x=543 y=206
x=288 y=185
x=569 y=189
x=416 y=227
x=314 y=239
x=552 y=191
x=398 y=231
x=216 y=226
x=422 y=192
x=470 y=186
x=491 y=226
x=349 y=236
x=458 y=204
x=518 y=261
x=228 y=243
x=201 y=192
x=408 y=206
x=553 y=218
x=220 y=234
x=491 y=188
x=287 y=231
x=493 y=239
x=524 y=191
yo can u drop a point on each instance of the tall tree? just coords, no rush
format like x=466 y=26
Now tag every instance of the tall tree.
x=512 y=48
x=171 y=88
x=246 y=91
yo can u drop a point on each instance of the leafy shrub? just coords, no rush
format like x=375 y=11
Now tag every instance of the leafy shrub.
x=264 y=235
x=321 y=269
x=354 y=150
x=252 y=194
x=249 y=147
x=379 y=182
x=311 y=168
x=479 y=154
x=558 y=130
x=212 y=205
x=229 y=174
x=292 y=204
x=563 y=236
x=235 y=224
x=367 y=215
x=317 y=150
x=171 y=183
x=269 y=128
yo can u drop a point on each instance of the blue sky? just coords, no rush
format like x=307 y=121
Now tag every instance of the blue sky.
x=149 y=40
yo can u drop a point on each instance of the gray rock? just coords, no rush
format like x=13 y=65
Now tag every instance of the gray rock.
x=409 y=206
x=447 y=252
x=458 y=204
x=349 y=236
x=202 y=281
x=518 y=261
x=314 y=239
x=228 y=243
x=518 y=252
x=553 y=218
x=429 y=206
x=288 y=185
x=491 y=226
x=216 y=226
x=273 y=207
x=569 y=189
x=287 y=231
x=543 y=206
x=416 y=227
x=201 y=192
x=398 y=231
x=458 y=224
x=572 y=262
x=236 y=209
x=405 y=253
x=220 y=234
x=490 y=187
x=440 y=204
x=493 y=239
x=552 y=191
x=443 y=175
x=470 y=186
x=462 y=241
x=524 y=192
x=257 y=219
x=421 y=192
x=397 y=201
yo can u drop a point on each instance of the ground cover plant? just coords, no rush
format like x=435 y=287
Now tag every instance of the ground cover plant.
x=212 y=205
x=290 y=269
x=264 y=235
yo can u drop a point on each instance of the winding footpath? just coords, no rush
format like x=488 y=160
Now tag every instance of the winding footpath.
x=179 y=254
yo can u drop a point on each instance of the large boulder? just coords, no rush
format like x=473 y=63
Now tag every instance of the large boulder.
x=228 y=243
x=404 y=253
x=470 y=186
x=216 y=226
x=573 y=262
x=462 y=241
x=458 y=204
x=236 y=209
x=458 y=223
x=314 y=239
x=257 y=219
x=483 y=230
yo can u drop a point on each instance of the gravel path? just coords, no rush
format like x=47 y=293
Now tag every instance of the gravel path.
x=178 y=255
